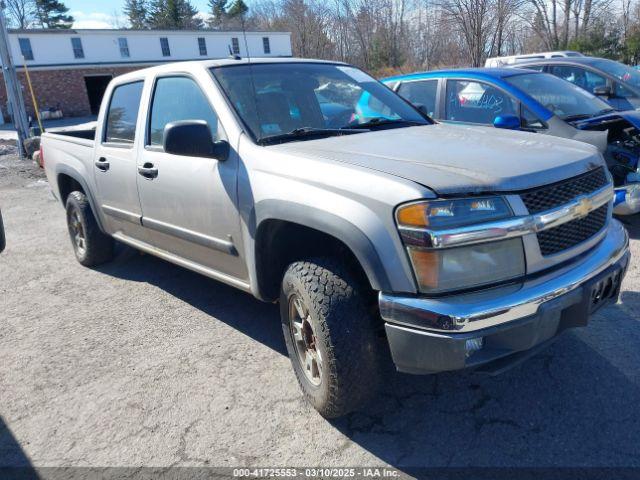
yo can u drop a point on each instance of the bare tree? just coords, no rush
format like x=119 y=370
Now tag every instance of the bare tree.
x=474 y=21
x=21 y=12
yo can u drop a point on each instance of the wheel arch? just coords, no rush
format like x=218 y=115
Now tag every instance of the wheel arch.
x=67 y=178
x=287 y=234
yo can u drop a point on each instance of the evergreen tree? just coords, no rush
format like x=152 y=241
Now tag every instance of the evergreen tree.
x=53 y=14
x=136 y=12
x=218 y=9
x=238 y=10
x=173 y=15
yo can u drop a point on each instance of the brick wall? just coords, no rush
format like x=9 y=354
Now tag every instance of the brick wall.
x=64 y=88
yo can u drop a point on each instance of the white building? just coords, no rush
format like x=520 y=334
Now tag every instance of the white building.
x=70 y=69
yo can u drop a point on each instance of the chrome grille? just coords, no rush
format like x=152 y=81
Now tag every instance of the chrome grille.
x=556 y=194
x=572 y=233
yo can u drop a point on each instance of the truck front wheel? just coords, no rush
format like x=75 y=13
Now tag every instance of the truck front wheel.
x=330 y=335
x=91 y=246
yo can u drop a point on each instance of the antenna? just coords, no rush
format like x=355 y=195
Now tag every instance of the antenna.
x=244 y=36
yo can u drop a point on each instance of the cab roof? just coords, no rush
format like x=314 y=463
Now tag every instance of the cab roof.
x=221 y=62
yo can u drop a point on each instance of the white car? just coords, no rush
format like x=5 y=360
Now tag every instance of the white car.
x=513 y=59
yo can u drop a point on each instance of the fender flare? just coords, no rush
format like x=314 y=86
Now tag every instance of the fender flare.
x=62 y=169
x=326 y=222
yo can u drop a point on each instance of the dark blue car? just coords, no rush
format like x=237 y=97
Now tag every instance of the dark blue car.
x=614 y=82
x=535 y=102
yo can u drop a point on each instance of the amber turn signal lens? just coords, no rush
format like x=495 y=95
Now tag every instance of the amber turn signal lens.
x=426 y=265
x=413 y=215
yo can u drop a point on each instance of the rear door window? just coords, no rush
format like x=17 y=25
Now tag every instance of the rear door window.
x=123 y=113
x=421 y=92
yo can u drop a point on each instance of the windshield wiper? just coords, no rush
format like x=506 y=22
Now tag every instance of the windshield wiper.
x=374 y=122
x=584 y=116
x=579 y=116
x=603 y=111
x=306 y=132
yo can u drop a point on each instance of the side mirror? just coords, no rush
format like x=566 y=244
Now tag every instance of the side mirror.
x=3 y=242
x=192 y=138
x=421 y=108
x=602 y=91
x=508 y=121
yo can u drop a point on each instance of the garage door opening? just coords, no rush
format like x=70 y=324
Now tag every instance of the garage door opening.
x=96 y=86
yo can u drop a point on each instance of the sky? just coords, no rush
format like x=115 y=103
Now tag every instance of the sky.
x=106 y=13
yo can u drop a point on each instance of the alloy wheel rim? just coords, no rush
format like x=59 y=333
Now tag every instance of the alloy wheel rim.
x=303 y=334
x=77 y=232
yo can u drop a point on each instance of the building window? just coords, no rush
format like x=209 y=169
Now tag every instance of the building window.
x=202 y=45
x=124 y=47
x=265 y=45
x=235 y=46
x=25 y=48
x=164 y=44
x=76 y=43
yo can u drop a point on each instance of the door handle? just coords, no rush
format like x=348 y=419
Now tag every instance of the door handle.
x=148 y=171
x=102 y=164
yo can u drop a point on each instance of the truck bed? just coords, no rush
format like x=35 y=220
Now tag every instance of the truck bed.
x=68 y=150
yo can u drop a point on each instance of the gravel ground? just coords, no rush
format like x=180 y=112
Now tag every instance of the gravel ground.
x=141 y=363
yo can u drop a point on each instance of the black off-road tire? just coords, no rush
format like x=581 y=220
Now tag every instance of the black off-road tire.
x=346 y=332
x=98 y=246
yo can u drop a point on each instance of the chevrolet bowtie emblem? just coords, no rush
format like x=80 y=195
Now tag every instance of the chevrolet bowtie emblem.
x=584 y=206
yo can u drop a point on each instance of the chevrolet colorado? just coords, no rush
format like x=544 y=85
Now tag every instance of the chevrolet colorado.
x=376 y=229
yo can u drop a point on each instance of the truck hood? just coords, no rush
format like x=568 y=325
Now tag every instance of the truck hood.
x=457 y=159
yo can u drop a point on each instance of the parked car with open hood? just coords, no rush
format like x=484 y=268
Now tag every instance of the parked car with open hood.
x=537 y=102
x=450 y=247
x=614 y=82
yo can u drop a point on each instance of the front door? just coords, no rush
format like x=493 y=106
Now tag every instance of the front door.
x=189 y=203
x=115 y=162
x=471 y=102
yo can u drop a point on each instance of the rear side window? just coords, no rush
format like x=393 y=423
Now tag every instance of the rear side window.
x=175 y=99
x=422 y=92
x=537 y=68
x=123 y=113
x=585 y=79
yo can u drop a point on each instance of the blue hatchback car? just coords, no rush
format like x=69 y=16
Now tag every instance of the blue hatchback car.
x=536 y=102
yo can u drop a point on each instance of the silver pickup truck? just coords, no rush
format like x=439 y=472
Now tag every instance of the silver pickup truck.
x=376 y=229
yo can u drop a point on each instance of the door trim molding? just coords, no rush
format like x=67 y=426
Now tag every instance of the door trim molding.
x=209 y=272
x=224 y=246
x=122 y=214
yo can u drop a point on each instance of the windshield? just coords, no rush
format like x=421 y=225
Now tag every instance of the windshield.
x=622 y=72
x=275 y=100
x=563 y=98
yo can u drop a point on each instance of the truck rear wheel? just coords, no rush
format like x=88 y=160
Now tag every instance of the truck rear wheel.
x=331 y=337
x=90 y=244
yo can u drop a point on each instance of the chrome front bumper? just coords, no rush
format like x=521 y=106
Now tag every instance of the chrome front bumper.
x=627 y=199
x=458 y=318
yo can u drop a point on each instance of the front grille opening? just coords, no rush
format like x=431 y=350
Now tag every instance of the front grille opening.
x=557 y=194
x=572 y=233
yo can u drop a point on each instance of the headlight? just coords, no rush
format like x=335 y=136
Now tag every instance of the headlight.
x=443 y=269
x=440 y=214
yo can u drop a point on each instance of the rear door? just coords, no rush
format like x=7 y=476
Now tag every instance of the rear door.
x=188 y=203
x=115 y=161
